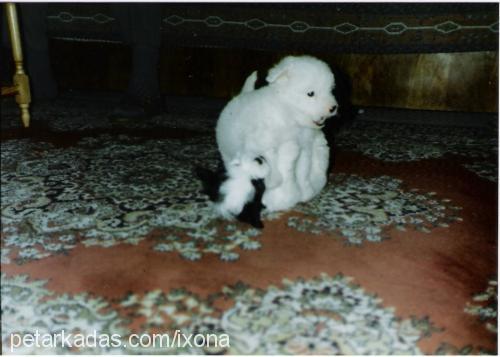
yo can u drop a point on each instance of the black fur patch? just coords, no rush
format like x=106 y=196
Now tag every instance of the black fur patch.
x=346 y=112
x=211 y=182
x=251 y=212
x=261 y=79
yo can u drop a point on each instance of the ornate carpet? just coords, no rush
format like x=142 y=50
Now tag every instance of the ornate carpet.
x=105 y=231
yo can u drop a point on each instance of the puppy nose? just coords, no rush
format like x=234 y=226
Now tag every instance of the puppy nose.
x=332 y=109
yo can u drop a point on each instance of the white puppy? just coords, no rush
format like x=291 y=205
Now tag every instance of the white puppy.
x=282 y=123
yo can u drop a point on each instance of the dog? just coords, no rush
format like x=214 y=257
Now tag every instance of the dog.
x=241 y=185
x=346 y=112
x=280 y=122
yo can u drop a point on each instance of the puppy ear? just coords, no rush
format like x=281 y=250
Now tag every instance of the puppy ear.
x=249 y=85
x=235 y=163
x=278 y=74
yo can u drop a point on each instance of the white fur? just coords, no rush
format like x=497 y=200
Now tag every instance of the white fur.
x=238 y=189
x=282 y=123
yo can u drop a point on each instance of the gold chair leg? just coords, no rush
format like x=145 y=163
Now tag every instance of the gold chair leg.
x=21 y=80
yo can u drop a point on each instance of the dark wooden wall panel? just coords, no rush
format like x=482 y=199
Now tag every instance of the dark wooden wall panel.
x=443 y=81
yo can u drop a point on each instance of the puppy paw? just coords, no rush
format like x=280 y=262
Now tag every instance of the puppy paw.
x=318 y=182
x=280 y=199
x=307 y=193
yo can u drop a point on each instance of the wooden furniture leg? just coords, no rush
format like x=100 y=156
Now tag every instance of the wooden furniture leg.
x=20 y=81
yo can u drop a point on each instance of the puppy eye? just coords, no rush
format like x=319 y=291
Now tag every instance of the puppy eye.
x=310 y=94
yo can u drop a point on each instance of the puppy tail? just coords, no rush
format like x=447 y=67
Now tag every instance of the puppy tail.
x=249 y=85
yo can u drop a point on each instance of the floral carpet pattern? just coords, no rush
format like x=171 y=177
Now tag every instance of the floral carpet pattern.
x=485 y=305
x=325 y=315
x=63 y=206
x=362 y=208
x=411 y=142
x=105 y=231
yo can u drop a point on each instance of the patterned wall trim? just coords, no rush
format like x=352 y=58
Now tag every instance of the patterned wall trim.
x=65 y=16
x=301 y=27
x=345 y=28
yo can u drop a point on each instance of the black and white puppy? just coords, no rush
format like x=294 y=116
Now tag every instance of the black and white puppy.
x=237 y=191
